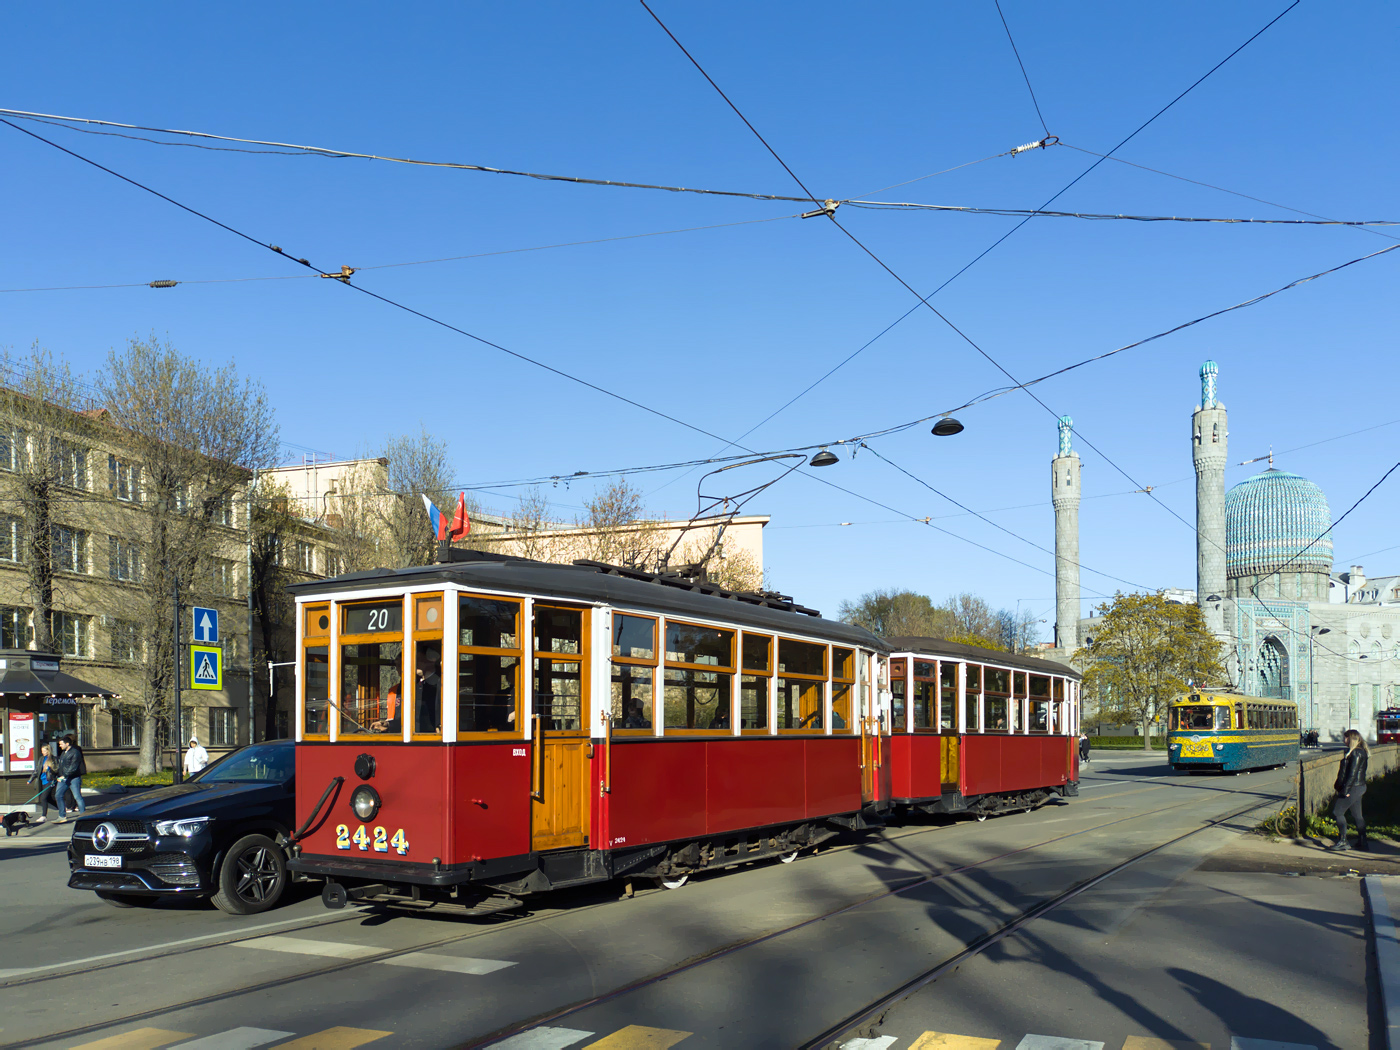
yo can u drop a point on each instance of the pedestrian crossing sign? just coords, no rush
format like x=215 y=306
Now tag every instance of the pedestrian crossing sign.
x=206 y=667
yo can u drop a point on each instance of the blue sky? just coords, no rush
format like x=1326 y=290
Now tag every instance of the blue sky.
x=720 y=326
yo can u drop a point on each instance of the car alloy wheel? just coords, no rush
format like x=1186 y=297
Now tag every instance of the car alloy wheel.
x=252 y=876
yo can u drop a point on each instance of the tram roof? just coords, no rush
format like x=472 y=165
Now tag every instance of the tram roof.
x=595 y=582
x=962 y=651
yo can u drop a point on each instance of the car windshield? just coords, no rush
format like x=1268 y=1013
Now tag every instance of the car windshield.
x=275 y=764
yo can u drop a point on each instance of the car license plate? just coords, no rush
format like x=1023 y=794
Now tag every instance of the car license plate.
x=1196 y=749
x=92 y=860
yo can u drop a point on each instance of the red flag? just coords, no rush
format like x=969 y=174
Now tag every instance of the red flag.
x=461 y=524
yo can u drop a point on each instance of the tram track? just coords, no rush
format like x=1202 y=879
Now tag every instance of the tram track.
x=915 y=880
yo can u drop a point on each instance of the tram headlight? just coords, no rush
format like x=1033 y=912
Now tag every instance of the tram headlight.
x=365 y=802
x=1220 y=747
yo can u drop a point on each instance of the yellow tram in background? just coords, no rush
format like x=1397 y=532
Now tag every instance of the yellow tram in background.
x=1230 y=732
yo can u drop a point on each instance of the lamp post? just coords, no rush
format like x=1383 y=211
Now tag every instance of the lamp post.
x=1313 y=635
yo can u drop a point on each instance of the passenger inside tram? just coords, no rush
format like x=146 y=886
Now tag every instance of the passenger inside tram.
x=636 y=717
x=427 y=706
x=392 y=722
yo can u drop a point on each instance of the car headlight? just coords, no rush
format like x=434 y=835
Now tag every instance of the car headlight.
x=365 y=802
x=188 y=827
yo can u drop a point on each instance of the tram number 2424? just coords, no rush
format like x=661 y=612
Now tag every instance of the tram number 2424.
x=378 y=838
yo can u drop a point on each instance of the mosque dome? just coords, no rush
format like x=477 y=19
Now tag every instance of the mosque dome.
x=1269 y=520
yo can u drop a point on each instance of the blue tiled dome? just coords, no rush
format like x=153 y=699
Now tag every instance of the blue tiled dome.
x=1269 y=519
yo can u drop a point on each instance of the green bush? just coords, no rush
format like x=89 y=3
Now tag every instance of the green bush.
x=1380 y=806
x=1121 y=743
x=125 y=777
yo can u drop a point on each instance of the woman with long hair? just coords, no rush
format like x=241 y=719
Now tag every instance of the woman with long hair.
x=1351 y=788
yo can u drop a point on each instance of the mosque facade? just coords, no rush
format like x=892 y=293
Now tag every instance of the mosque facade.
x=1291 y=626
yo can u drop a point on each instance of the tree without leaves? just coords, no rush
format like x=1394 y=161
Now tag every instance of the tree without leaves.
x=272 y=522
x=380 y=514
x=1144 y=651
x=197 y=433
x=42 y=406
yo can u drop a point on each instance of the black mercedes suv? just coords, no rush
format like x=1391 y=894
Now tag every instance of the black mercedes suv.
x=221 y=834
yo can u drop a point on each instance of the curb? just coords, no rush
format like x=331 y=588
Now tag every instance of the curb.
x=1387 y=957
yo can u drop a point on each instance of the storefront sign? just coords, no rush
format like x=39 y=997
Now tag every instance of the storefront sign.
x=21 y=742
x=61 y=701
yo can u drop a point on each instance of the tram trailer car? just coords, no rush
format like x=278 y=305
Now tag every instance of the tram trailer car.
x=979 y=731
x=652 y=728
x=1388 y=726
x=1230 y=732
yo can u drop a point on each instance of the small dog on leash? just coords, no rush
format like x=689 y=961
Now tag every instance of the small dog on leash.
x=14 y=821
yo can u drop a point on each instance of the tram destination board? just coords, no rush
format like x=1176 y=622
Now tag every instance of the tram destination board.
x=373 y=617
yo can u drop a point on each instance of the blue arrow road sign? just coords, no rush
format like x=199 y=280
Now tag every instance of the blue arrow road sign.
x=206 y=626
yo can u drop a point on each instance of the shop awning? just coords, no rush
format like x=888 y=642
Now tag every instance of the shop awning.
x=25 y=673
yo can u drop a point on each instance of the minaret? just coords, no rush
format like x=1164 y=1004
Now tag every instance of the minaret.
x=1209 y=435
x=1064 y=495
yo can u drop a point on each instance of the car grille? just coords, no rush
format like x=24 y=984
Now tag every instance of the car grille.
x=124 y=827
x=174 y=868
x=125 y=844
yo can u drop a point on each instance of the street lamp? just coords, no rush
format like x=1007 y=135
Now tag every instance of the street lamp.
x=1313 y=634
x=824 y=458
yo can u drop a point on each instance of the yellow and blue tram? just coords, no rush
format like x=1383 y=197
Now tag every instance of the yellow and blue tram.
x=1230 y=733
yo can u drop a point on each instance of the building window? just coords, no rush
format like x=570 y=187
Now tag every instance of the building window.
x=124 y=560
x=1355 y=701
x=223 y=577
x=223 y=727
x=69 y=552
x=70 y=634
x=14 y=628
x=335 y=563
x=306 y=557
x=126 y=641
x=124 y=479
x=180 y=739
x=69 y=463
x=126 y=728
x=223 y=512
x=11 y=538
x=84 y=725
x=13 y=442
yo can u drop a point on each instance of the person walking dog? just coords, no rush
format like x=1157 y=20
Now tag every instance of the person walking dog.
x=45 y=774
x=1351 y=789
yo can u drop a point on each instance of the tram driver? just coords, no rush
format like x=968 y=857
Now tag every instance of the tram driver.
x=392 y=722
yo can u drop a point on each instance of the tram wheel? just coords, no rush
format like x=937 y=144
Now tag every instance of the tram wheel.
x=252 y=876
x=787 y=858
x=671 y=882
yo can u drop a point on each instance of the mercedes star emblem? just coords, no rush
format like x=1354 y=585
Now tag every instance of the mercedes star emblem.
x=104 y=836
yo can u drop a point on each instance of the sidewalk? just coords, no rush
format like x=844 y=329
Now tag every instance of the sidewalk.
x=1303 y=857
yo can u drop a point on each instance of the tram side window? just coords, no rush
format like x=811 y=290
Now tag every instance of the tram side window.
x=699 y=677
x=899 y=695
x=948 y=697
x=1020 y=682
x=972 y=696
x=317 y=684
x=488 y=665
x=1239 y=716
x=843 y=677
x=998 y=690
x=801 y=684
x=925 y=694
x=753 y=683
x=558 y=692
x=1040 y=704
x=633 y=672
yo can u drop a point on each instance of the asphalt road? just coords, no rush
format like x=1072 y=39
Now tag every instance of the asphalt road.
x=1158 y=950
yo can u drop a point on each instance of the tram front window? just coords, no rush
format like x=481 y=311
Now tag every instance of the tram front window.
x=1201 y=717
x=317 y=684
x=368 y=674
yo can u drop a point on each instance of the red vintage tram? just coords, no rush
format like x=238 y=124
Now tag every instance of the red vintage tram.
x=651 y=728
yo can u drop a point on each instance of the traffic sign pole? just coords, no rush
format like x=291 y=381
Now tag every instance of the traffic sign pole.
x=179 y=732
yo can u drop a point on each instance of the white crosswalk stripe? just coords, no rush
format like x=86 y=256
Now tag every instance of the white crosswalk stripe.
x=308 y=946
x=543 y=1039
x=449 y=963
x=883 y=1042
x=234 y=1039
x=1267 y=1044
x=1055 y=1042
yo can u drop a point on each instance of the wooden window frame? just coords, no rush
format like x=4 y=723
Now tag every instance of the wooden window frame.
x=900 y=668
x=852 y=713
x=1008 y=696
x=823 y=681
x=768 y=676
x=732 y=670
x=657 y=642
x=318 y=640
x=585 y=665
x=914 y=679
x=406 y=669
x=519 y=732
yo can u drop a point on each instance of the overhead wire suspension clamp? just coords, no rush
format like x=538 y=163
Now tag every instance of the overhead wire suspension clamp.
x=1048 y=140
x=828 y=208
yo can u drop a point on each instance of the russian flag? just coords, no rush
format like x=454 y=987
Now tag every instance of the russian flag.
x=439 y=523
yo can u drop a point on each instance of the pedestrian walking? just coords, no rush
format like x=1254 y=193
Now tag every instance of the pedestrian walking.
x=1351 y=789
x=1083 y=746
x=46 y=776
x=71 y=767
x=196 y=758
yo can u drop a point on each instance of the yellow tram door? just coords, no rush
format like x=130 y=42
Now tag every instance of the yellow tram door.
x=559 y=807
x=870 y=742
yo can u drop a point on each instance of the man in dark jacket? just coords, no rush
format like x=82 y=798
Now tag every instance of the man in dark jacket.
x=71 y=768
x=1351 y=788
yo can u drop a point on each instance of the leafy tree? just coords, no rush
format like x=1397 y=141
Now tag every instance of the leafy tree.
x=898 y=614
x=1143 y=651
